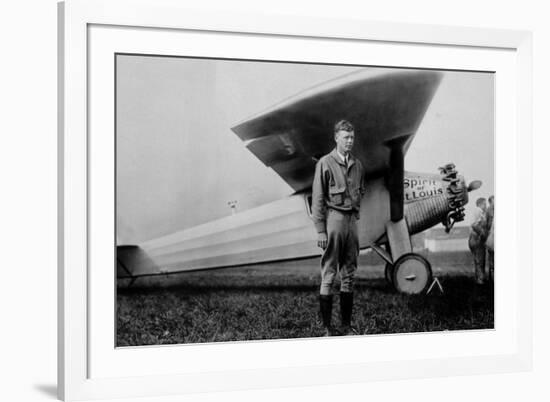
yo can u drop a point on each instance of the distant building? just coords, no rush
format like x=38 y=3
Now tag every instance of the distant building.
x=437 y=240
x=418 y=241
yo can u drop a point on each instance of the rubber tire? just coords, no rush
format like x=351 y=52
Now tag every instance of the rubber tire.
x=423 y=282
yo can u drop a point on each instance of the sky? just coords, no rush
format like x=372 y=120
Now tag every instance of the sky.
x=179 y=163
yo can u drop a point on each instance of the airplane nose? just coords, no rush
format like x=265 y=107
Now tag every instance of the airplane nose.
x=445 y=205
x=457 y=194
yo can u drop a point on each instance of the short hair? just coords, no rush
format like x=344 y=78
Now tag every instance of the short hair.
x=491 y=199
x=480 y=201
x=343 y=125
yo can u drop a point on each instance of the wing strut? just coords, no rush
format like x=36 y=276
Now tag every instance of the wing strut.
x=395 y=176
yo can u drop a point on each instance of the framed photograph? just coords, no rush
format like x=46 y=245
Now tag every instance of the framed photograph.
x=254 y=201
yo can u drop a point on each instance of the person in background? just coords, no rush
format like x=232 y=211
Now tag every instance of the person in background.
x=491 y=238
x=477 y=239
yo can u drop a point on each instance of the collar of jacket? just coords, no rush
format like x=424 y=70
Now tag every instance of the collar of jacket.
x=334 y=154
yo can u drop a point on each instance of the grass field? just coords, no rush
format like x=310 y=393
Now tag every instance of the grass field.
x=280 y=300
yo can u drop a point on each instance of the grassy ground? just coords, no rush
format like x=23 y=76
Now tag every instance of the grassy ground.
x=275 y=301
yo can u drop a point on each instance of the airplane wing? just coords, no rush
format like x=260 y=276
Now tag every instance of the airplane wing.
x=386 y=109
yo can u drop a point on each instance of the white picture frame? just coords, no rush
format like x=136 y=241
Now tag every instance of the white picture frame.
x=80 y=377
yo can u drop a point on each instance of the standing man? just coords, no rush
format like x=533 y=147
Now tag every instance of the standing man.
x=478 y=236
x=337 y=189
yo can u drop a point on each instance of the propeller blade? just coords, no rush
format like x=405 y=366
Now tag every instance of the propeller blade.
x=474 y=185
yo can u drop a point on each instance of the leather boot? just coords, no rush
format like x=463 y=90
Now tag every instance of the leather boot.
x=325 y=304
x=346 y=309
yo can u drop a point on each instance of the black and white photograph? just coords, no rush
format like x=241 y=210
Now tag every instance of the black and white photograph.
x=264 y=200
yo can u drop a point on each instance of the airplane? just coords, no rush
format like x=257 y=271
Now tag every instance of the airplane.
x=386 y=109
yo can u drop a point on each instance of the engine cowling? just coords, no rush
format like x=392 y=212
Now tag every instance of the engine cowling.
x=432 y=199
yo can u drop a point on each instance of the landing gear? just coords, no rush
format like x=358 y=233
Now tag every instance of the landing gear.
x=412 y=274
x=406 y=271
x=388 y=273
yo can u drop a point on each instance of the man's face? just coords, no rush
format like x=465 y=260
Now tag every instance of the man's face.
x=483 y=206
x=344 y=141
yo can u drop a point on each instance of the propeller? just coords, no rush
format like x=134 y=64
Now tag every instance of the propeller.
x=474 y=185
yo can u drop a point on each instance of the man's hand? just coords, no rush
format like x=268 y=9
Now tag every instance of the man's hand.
x=322 y=240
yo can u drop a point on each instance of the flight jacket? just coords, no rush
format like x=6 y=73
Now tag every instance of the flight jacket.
x=337 y=187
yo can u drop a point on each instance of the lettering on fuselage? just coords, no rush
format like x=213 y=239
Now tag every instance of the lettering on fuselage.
x=418 y=188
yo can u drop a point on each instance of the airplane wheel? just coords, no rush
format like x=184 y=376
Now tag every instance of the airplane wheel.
x=412 y=274
x=388 y=272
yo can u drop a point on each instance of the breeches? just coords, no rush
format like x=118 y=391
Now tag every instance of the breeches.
x=479 y=260
x=341 y=253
